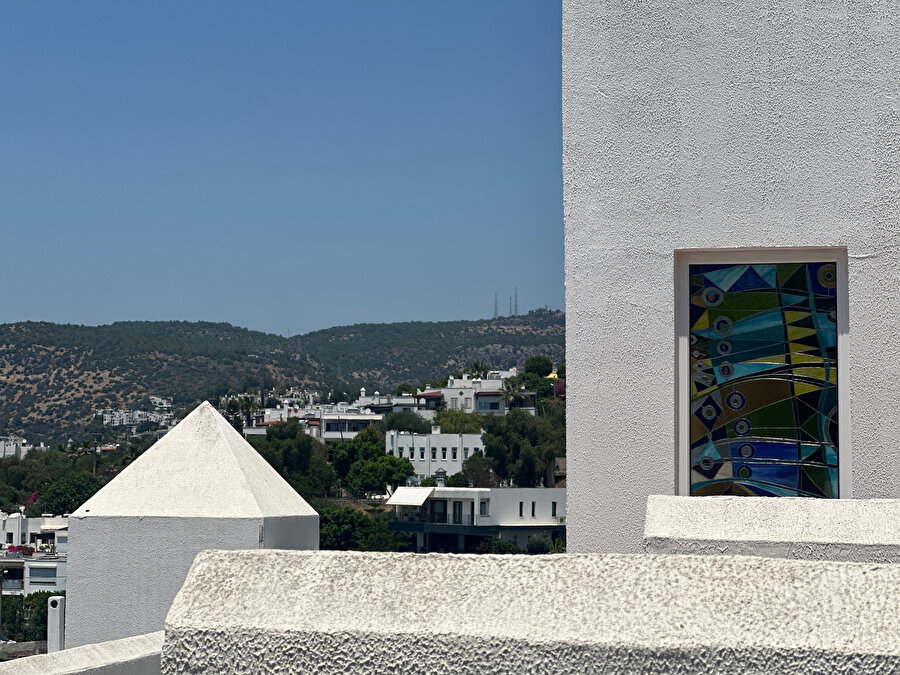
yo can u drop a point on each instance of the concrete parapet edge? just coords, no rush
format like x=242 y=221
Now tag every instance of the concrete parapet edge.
x=350 y=612
x=847 y=530
x=139 y=655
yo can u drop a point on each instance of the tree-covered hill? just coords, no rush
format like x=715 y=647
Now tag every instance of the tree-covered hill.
x=52 y=376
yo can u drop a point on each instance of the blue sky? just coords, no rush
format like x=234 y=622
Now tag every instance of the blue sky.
x=284 y=166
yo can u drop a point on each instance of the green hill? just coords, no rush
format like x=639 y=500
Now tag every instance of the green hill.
x=53 y=376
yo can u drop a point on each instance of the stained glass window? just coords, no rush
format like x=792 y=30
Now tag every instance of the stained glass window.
x=763 y=379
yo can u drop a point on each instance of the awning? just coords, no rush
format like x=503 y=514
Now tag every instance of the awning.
x=53 y=528
x=410 y=496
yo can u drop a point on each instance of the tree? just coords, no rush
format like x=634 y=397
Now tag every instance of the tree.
x=67 y=494
x=405 y=388
x=372 y=476
x=144 y=427
x=539 y=365
x=496 y=545
x=367 y=444
x=561 y=370
x=521 y=446
x=458 y=422
x=478 y=470
x=406 y=420
x=233 y=415
x=343 y=529
x=539 y=543
x=478 y=368
x=526 y=471
x=457 y=480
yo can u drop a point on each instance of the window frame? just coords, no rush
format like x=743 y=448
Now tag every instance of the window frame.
x=684 y=258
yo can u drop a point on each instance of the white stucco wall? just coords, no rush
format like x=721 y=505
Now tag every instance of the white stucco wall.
x=125 y=571
x=695 y=125
x=349 y=612
x=850 y=530
x=139 y=655
x=291 y=532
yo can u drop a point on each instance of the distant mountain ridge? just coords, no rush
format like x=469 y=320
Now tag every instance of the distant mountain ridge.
x=53 y=376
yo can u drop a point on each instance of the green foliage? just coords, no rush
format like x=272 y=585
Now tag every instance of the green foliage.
x=521 y=446
x=495 y=545
x=68 y=493
x=428 y=482
x=406 y=420
x=539 y=544
x=144 y=427
x=478 y=368
x=366 y=445
x=514 y=387
x=539 y=365
x=457 y=480
x=561 y=370
x=25 y=617
x=234 y=416
x=479 y=471
x=459 y=422
x=405 y=388
x=300 y=459
x=346 y=528
x=367 y=476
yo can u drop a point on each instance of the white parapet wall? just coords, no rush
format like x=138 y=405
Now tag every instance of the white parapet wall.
x=852 y=530
x=347 y=612
x=139 y=655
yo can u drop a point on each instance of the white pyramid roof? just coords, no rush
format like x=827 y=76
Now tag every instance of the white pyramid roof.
x=203 y=468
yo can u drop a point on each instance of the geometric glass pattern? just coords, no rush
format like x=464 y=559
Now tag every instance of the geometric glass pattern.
x=763 y=378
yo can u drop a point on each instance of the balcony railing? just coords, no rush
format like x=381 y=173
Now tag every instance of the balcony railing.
x=13 y=584
x=444 y=519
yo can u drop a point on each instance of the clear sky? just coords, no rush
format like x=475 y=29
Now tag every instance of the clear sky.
x=284 y=166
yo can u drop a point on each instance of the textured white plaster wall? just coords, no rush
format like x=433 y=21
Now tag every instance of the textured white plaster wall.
x=138 y=655
x=124 y=572
x=688 y=125
x=349 y=612
x=293 y=532
x=850 y=530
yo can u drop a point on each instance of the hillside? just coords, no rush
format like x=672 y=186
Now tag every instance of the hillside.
x=52 y=376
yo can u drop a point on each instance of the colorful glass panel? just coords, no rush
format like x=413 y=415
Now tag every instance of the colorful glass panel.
x=763 y=379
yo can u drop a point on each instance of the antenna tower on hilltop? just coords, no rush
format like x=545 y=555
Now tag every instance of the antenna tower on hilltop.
x=516 y=313
x=496 y=313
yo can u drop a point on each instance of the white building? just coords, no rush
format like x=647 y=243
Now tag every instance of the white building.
x=13 y=446
x=469 y=395
x=125 y=418
x=459 y=519
x=45 y=568
x=201 y=486
x=328 y=423
x=430 y=452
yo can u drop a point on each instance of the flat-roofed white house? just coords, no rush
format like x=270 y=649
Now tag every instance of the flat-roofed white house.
x=430 y=452
x=457 y=520
x=201 y=486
